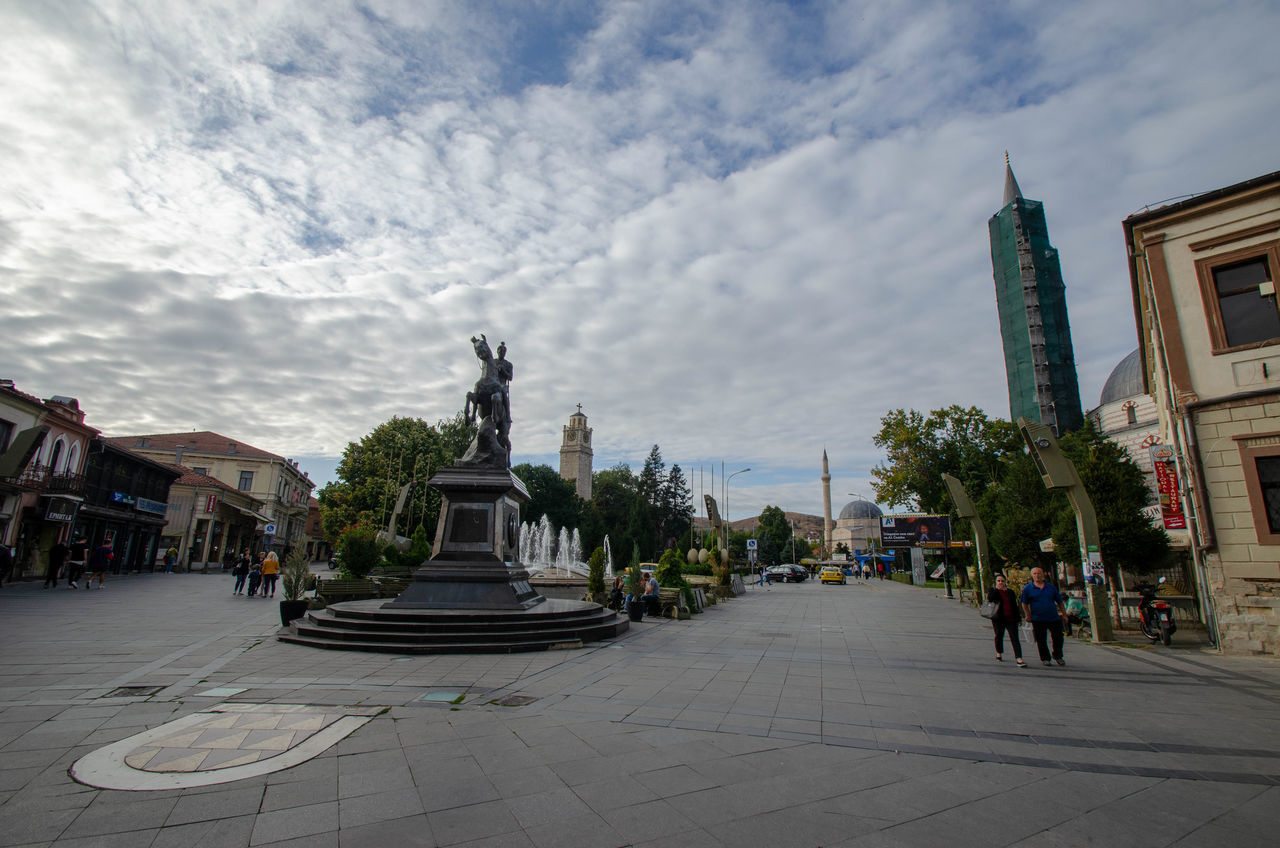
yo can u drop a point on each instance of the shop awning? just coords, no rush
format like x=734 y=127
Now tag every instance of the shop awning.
x=262 y=519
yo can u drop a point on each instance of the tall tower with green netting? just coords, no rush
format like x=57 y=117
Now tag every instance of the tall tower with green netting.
x=1038 y=358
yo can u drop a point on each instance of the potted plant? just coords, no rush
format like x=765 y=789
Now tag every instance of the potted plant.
x=595 y=578
x=635 y=587
x=295 y=576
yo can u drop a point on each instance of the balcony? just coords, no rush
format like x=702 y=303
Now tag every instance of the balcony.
x=42 y=479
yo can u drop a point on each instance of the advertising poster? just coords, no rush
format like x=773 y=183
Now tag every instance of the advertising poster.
x=917 y=567
x=913 y=531
x=1167 y=486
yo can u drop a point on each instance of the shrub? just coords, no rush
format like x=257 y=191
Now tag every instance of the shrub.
x=358 y=551
x=595 y=572
x=719 y=567
x=668 y=571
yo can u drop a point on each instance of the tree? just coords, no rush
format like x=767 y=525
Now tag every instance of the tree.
x=773 y=535
x=1019 y=511
x=372 y=471
x=962 y=442
x=1118 y=491
x=675 y=507
x=550 y=495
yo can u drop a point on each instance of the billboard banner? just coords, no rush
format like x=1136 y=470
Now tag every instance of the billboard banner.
x=909 y=531
x=1167 y=485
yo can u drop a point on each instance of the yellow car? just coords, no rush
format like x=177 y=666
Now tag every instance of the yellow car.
x=832 y=574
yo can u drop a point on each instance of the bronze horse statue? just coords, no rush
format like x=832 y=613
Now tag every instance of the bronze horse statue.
x=491 y=400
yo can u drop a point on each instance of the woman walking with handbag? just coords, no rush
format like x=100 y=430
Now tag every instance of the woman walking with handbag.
x=1005 y=618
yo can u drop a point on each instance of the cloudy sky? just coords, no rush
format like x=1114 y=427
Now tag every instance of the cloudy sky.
x=742 y=231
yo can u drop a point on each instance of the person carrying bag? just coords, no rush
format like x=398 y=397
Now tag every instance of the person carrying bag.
x=1005 y=616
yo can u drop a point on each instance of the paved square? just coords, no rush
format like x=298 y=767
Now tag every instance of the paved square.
x=809 y=715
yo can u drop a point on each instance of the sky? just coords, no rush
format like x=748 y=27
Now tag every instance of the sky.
x=740 y=231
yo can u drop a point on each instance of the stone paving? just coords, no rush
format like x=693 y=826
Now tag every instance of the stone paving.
x=809 y=715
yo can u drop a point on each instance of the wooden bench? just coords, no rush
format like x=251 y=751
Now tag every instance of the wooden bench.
x=338 y=590
x=671 y=604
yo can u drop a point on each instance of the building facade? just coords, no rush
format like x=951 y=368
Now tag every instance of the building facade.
x=43 y=448
x=575 y=454
x=272 y=480
x=1203 y=275
x=209 y=522
x=1039 y=359
x=126 y=500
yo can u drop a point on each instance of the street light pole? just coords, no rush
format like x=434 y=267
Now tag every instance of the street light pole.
x=725 y=495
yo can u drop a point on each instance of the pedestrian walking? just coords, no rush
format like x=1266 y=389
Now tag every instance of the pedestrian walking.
x=255 y=575
x=1006 y=619
x=170 y=559
x=1046 y=610
x=57 y=557
x=240 y=571
x=99 y=561
x=75 y=560
x=270 y=571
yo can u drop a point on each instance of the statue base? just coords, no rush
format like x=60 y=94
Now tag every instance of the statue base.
x=476 y=564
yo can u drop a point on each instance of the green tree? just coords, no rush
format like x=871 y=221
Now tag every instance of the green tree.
x=1018 y=512
x=773 y=536
x=960 y=441
x=1117 y=488
x=595 y=572
x=372 y=471
x=550 y=495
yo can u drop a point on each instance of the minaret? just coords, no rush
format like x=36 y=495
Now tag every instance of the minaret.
x=575 y=454
x=826 y=503
x=1031 y=299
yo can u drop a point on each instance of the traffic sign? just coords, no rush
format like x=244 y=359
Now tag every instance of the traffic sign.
x=751 y=544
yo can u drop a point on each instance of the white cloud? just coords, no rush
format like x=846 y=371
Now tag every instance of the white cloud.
x=742 y=234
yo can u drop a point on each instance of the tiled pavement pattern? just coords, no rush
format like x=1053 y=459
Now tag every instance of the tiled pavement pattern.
x=857 y=715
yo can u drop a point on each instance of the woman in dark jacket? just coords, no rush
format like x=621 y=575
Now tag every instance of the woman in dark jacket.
x=1006 y=619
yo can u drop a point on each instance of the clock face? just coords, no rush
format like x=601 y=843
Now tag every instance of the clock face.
x=571 y=436
x=586 y=438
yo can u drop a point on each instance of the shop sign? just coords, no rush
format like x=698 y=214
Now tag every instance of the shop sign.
x=211 y=504
x=122 y=498
x=148 y=505
x=60 y=509
x=1167 y=485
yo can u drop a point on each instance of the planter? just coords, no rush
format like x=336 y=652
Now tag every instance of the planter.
x=635 y=610
x=289 y=610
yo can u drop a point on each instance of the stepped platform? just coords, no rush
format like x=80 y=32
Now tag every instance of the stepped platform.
x=372 y=626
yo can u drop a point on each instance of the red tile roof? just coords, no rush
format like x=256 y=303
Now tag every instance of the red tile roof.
x=202 y=441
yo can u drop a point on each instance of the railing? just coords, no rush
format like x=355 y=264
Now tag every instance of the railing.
x=41 y=478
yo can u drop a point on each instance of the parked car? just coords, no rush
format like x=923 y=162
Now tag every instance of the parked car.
x=832 y=574
x=787 y=573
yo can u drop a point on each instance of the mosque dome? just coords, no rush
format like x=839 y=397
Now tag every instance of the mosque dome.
x=860 y=509
x=1125 y=380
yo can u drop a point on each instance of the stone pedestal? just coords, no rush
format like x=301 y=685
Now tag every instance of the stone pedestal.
x=476 y=564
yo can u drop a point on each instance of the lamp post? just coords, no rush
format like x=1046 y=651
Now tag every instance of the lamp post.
x=725 y=494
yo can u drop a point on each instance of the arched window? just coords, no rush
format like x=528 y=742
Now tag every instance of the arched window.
x=56 y=454
x=1131 y=412
x=73 y=458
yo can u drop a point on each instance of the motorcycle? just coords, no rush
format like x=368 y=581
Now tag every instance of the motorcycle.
x=1155 y=617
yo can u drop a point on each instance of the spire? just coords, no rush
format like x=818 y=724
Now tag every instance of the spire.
x=1011 y=190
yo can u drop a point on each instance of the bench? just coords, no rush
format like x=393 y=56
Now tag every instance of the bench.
x=339 y=589
x=671 y=604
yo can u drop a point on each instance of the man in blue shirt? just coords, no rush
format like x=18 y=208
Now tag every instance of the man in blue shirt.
x=1044 y=608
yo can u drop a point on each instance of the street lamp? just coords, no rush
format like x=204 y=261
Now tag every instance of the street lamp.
x=725 y=495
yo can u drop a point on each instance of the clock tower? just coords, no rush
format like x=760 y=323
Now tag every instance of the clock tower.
x=575 y=454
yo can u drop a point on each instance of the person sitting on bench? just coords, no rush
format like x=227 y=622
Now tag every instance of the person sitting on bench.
x=652 y=597
x=616 y=594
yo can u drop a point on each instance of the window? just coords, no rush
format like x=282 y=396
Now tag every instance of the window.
x=200 y=470
x=6 y=433
x=55 y=456
x=1239 y=291
x=246 y=481
x=1260 y=462
x=1131 y=412
x=1268 y=471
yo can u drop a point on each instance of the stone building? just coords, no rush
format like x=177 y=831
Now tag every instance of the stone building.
x=575 y=454
x=858 y=526
x=1203 y=274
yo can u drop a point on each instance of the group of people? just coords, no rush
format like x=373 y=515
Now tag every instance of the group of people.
x=259 y=574
x=1039 y=603
x=618 y=595
x=72 y=559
